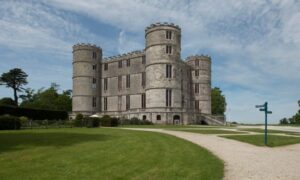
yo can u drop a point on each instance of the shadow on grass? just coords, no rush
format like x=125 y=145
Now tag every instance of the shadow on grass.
x=18 y=141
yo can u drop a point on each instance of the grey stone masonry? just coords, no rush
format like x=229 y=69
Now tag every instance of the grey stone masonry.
x=153 y=84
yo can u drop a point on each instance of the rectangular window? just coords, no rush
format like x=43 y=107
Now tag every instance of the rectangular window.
x=94 y=55
x=119 y=103
x=197 y=62
x=143 y=59
x=143 y=101
x=105 y=84
x=105 y=67
x=105 y=104
x=197 y=105
x=197 y=72
x=128 y=62
x=197 y=88
x=95 y=67
x=168 y=34
x=120 y=64
x=127 y=81
x=94 y=80
x=168 y=71
x=168 y=49
x=119 y=82
x=127 y=102
x=168 y=97
x=143 y=79
x=94 y=102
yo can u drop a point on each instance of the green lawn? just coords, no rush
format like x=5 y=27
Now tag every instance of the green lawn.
x=102 y=153
x=210 y=131
x=258 y=140
x=168 y=126
x=261 y=130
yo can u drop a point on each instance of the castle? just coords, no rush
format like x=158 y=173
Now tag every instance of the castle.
x=154 y=84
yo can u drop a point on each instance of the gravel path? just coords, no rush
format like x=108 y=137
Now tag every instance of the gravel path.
x=246 y=161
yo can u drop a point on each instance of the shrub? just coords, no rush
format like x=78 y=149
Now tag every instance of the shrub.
x=78 y=122
x=92 y=122
x=135 y=121
x=9 y=122
x=24 y=120
x=106 y=121
x=114 y=122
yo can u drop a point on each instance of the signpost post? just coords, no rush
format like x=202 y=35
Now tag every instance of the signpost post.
x=264 y=108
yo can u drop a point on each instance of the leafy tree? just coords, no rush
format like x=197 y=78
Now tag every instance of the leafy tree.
x=7 y=101
x=218 y=102
x=48 y=99
x=284 y=121
x=15 y=78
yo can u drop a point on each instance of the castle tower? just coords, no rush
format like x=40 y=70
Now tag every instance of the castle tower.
x=163 y=77
x=201 y=82
x=86 y=79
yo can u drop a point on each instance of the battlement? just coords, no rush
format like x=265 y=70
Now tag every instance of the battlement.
x=131 y=54
x=194 y=57
x=158 y=24
x=84 y=46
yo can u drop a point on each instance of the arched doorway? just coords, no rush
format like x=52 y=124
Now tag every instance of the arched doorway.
x=176 y=119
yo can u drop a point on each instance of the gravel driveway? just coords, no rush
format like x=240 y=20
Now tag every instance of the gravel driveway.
x=246 y=161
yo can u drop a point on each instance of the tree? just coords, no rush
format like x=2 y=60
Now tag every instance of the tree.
x=218 y=102
x=15 y=78
x=7 y=101
x=284 y=121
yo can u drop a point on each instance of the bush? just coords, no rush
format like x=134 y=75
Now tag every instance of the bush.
x=106 y=121
x=34 y=114
x=24 y=120
x=92 y=122
x=9 y=122
x=78 y=122
x=135 y=121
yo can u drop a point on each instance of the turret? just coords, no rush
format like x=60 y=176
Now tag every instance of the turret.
x=201 y=82
x=163 y=77
x=86 y=79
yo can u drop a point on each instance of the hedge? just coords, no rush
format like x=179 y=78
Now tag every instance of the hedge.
x=9 y=122
x=34 y=114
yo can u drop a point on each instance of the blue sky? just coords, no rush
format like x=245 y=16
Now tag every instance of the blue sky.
x=254 y=45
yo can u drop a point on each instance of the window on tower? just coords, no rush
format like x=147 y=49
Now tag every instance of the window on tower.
x=168 y=71
x=143 y=101
x=168 y=49
x=197 y=72
x=105 y=104
x=127 y=102
x=105 y=67
x=105 y=84
x=94 y=55
x=143 y=59
x=128 y=81
x=168 y=97
x=128 y=62
x=168 y=34
x=120 y=64
x=197 y=88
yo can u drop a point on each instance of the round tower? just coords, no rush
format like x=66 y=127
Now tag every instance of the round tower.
x=163 y=77
x=201 y=82
x=86 y=79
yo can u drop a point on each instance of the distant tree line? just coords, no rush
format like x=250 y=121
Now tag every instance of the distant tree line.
x=295 y=119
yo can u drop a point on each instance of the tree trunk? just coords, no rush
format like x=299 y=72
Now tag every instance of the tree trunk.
x=16 y=97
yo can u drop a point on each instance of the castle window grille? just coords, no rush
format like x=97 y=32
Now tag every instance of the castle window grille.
x=196 y=62
x=105 y=84
x=105 y=67
x=120 y=82
x=168 y=34
x=143 y=101
x=128 y=62
x=120 y=64
x=127 y=81
x=94 y=102
x=94 y=55
x=143 y=59
x=127 y=102
x=143 y=79
x=168 y=71
x=197 y=88
x=105 y=104
x=197 y=72
x=168 y=97
x=95 y=67
x=168 y=49
x=196 y=105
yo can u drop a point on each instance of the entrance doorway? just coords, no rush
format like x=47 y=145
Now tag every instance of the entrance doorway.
x=176 y=119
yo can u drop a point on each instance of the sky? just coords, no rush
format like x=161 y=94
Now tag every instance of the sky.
x=254 y=44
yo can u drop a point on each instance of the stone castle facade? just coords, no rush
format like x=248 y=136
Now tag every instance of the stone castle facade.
x=154 y=84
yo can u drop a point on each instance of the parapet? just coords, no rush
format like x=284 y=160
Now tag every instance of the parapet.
x=201 y=57
x=158 y=24
x=128 y=55
x=85 y=46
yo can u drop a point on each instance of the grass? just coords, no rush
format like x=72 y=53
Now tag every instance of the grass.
x=167 y=126
x=261 y=130
x=258 y=140
x=102 y=153
x=210 y=131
